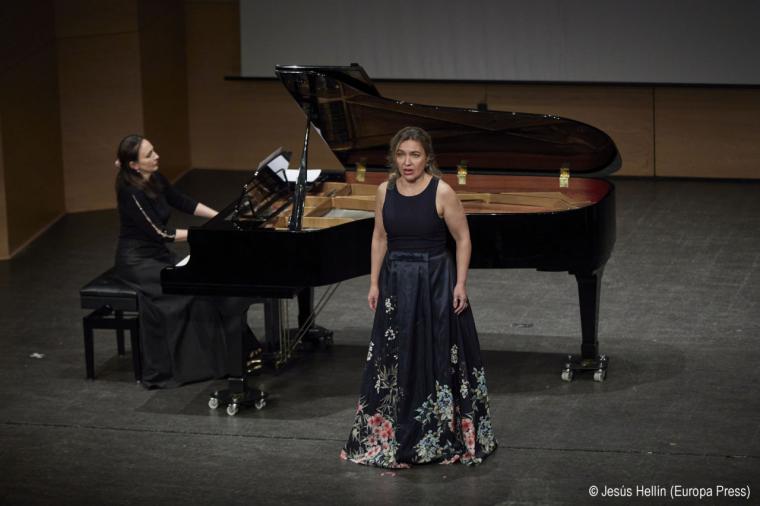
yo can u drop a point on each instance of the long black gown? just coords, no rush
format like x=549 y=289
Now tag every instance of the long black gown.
x=423 y=396
x=182 y=337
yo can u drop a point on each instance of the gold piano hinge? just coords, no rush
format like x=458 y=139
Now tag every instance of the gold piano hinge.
x=361 y=171
x=564 y=177
x=462 y=172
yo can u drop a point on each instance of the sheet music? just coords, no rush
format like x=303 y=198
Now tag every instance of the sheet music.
x=292 y=175
x=278 y=163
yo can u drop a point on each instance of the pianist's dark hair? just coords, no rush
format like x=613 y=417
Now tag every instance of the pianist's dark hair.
x=129 y=151
x=411 y=133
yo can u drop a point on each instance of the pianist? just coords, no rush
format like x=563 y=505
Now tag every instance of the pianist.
x=182 y=337
x=423 y=396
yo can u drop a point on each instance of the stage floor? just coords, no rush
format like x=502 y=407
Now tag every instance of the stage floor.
x=680 y=320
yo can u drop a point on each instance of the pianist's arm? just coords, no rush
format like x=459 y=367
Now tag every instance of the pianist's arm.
x=136 y=209
x=379 y=248
x=185 y=203
x=204 y=211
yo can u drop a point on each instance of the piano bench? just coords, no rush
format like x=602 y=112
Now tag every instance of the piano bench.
x=115 y=307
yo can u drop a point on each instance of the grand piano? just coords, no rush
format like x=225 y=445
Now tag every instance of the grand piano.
x=531 y=185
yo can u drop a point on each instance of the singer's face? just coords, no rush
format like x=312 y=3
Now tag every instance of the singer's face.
x=411 y=160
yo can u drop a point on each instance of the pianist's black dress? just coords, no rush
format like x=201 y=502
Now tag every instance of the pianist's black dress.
x=182 y=337
x=423 y=396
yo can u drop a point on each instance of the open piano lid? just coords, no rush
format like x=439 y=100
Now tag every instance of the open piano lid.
x=357 y=123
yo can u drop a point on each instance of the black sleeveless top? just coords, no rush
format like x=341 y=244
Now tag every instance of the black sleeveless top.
x=412 y=223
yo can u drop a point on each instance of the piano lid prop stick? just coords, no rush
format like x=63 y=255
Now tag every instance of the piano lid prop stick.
x=296 y=217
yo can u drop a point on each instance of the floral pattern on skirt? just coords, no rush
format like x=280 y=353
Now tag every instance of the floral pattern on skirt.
x=423 y=396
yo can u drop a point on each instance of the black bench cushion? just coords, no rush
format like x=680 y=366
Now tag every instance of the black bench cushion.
x=107 y=289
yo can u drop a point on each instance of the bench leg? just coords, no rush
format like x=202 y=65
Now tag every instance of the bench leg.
x=134 y=339
x=119 y=317
x=88 y=351
x=98 y=319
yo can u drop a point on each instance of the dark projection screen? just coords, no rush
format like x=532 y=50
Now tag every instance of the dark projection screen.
x=643 y=41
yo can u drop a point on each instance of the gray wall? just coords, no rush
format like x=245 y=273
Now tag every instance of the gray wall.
x=626 y=41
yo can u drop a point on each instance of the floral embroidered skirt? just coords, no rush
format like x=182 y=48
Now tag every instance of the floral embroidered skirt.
x=423 y=396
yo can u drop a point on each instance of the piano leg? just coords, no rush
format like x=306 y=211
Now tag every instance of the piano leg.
x=243 y=357
x=273 y=325
x=315 y=334
x=589 y=289
x=305 y=306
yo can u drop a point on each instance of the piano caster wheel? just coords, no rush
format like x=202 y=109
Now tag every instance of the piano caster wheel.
x=232 y=409
x=596 y=365
x=260 y=404
x=213 y=403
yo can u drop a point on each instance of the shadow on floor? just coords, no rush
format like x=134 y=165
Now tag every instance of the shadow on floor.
x=324 y=382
